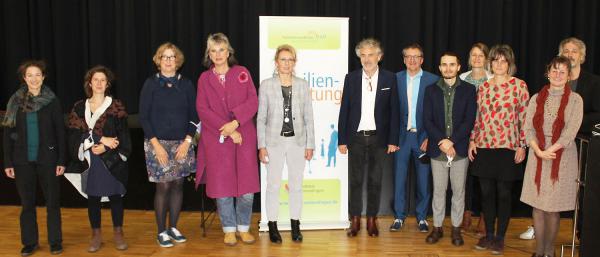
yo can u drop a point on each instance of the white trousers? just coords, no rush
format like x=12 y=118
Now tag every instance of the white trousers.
x=288 y=152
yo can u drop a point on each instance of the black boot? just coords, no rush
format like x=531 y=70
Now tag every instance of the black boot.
x=274 y=235
x=296 y=235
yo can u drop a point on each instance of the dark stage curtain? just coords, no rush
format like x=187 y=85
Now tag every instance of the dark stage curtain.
x=73 y=35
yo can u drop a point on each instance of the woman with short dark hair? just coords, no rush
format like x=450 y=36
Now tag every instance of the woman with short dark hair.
x=99 y=143
x=34 y=151
x=497 y=146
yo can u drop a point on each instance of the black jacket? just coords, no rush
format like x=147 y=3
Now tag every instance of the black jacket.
x=113 y=123
x=464 y=110
x=387 y=117
x=588 y=87
x=51 y=138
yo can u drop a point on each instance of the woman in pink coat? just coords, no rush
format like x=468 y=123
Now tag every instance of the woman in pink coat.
x=226 y=103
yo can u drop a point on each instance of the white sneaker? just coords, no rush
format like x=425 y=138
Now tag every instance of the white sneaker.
x=529 y=234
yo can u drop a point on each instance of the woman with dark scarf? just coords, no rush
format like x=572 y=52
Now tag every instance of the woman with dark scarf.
x=34 y=144
x=167 y=114
x=99 y=144
x=552 y=121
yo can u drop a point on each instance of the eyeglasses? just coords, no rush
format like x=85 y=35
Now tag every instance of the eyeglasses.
x=412 y=57
x=286 y=60
x=168 y=58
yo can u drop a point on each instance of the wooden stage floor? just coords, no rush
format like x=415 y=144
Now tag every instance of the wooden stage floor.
x=140 y=233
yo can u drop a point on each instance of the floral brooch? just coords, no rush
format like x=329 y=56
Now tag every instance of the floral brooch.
x=243 y=77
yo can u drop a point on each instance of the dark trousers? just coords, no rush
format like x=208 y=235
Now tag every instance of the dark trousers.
x=116 y=208
x=26 y=178
x=496 y=204
x=364 y=155
x=472 y=193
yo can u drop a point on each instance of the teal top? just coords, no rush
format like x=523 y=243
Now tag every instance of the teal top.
x=33 y=136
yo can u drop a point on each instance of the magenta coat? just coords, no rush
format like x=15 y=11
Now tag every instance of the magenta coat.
x=230 y=170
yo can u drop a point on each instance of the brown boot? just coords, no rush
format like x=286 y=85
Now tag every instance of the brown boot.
x=481 y=225
x=435 y=235
x=96 y=240
x=457 y=239
x=466 y=224
x=354 y=226
x=372 y=226
x=119 y=239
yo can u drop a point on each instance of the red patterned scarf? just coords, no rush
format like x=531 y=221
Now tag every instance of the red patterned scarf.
x=557 y=127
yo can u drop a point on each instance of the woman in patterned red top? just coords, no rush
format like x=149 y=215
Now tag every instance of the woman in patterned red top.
x=497 y=143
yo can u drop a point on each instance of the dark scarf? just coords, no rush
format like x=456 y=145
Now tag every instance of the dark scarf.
x=557 y=127
x=27 y=103
x=168 y=80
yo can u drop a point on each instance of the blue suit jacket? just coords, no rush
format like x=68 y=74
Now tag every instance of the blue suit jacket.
x=386 y=108
x=426 y=80
x=463 y=117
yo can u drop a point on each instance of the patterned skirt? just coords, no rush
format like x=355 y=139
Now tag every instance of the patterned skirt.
x=174 y=169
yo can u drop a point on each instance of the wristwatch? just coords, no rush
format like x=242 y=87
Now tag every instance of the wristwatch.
x=188 y=139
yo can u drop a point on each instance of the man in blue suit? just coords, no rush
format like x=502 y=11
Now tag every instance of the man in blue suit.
x=412 y=83
x=367 y=130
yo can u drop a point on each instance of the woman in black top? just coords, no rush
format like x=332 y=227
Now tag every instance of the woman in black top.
x=34 y=143
x=99 y=143
x=167 y=115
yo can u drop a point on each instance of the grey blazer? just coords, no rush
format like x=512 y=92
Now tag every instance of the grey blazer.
x=270 y=113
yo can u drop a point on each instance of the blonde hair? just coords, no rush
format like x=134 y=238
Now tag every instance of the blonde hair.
x=285 y=47
x=484 y=48
x=214 y=39
x=577 y=42
x=179 y=58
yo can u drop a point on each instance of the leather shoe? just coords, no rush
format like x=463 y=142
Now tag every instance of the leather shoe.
x=372 y=226
x=466 y=224
x=274 y=235
x=354 y=226
x=296 y=234
x=457 y=239
x=29 y=249
x=56 y=249
x=435 y=235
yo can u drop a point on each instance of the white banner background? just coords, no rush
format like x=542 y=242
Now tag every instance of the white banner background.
x=322 y=60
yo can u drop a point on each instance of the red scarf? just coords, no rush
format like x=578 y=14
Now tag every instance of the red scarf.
x=557 y=127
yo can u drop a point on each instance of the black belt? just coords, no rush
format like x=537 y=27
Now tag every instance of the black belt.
x=287 y=133
x=367 y=133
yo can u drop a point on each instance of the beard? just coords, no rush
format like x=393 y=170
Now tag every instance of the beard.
x=448 y=76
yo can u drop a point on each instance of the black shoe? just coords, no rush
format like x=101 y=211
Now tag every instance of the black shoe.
x=29 y=249
x=56 y=249
x=296 y=235
x=274 y=235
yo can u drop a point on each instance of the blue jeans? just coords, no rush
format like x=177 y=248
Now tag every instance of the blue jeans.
x=238 y=216
x=410 y=148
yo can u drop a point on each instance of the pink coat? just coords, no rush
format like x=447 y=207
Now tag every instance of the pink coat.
x=230 y=170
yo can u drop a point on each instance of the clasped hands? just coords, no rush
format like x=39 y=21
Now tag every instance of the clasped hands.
x=447 y=147
x=229 y=130
x=110 y=142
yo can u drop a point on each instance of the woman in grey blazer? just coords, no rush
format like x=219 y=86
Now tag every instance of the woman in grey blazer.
x=285 y=135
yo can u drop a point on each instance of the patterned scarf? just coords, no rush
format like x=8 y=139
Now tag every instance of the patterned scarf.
x=557 y=127
x=27 y=102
